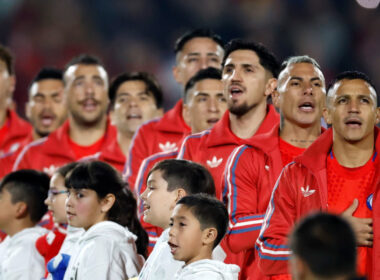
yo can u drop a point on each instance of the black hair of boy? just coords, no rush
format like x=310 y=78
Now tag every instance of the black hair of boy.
x=326 y=243
x=203 y=74
x=267 y=59
x=150 y=81
x=197 y=33
x=65 y=169
x=47 y=73
x=104 y=179
x=84 y=59
x=7 y=57
x=209 y=211
x=190 y=176
x=352 y=75
x=28 y=186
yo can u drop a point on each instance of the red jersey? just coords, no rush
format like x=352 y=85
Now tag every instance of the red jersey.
x=158 y=135
x=301 y=189
x=49 y=153
x=213 y=147
x=250 y=175
x=17 y=130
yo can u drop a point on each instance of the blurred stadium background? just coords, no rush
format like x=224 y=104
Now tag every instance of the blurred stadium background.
x=139 y=35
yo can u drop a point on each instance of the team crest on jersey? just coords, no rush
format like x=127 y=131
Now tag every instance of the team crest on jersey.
x=168 y=147
x=214 y=162
x=369 y=201
x=307 y=191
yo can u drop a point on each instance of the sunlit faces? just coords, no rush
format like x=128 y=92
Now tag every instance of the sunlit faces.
x=7 y=210
x=134 y=105
x=301 y=94
x=244 y=80
x=352 y=110
x=84 y=208
x=56 y=198
x=205 y=104
x=46 y=108
x=6 y=86
x=198 y=53
x=86 y=90
x=158 y=202
x=185 y=235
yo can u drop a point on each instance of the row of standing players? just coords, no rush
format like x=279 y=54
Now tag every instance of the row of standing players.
x=245 y=151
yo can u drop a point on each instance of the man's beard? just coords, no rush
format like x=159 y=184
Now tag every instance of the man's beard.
x=240 y=110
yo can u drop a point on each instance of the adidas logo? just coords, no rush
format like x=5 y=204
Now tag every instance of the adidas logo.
x=214 y=162
x=168 y=147
x=307 y=192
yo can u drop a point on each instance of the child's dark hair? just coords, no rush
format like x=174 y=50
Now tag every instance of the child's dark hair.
x=65 y=169
x=29 y=186
x=191 y=176
x=104 y=179
x=209 y=211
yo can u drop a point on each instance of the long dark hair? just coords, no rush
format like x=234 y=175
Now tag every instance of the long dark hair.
x=104 y=179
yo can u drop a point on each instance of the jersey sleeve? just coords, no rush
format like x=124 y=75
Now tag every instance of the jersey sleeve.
x=272 y=244
x=138 y=151
x=240 y=196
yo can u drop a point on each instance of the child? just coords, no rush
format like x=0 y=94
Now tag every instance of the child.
x=22 y=195
x=49 y=244
x=197 y=225
x=168 y=181
x=99 y=203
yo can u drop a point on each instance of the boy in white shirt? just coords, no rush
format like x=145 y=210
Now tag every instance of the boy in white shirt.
x=197 y=225
x=168 y=181
x=22 y=195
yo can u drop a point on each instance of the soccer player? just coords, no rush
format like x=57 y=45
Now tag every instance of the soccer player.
x=339 y=173
x=195 y=50
x=87 y=130
x=252 y=171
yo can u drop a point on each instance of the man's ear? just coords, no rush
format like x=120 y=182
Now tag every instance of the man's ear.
x=270 y=86
x=209 y=236
x=177 y=74
x=180 y=193
x=377 y=115
x=28 y=112
x=327 y=115
x=107 y=202
x=186 y=113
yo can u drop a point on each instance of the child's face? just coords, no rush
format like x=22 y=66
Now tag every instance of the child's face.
x=185 y=235
x=56 y=198
x=7 y=210
x=84 y=208
x=158 y=201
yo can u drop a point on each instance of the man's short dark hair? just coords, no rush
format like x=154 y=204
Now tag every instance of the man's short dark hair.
x=197 y=33
x=29 y=186
x=150 y=81
x=203 y=74
x=192 y=177
x=47 y=73
x=85 y=59
x=209 y=211
x=352 y=75
x=326 y=243
x=7 y=57
x=267 y=59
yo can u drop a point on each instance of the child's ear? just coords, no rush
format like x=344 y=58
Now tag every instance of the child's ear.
x=107 y=202
x=209 y=235
x=180 y=193
x=21 y=210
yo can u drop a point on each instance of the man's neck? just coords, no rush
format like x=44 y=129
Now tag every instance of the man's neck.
x=246 y=126
x=299 y=136
x=124 y=140
x=3 y=117
x=87 y=135
x=353 y=154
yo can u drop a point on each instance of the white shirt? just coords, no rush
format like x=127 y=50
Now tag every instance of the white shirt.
x=105 y=251
x=208 y=270
x=19 y=258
